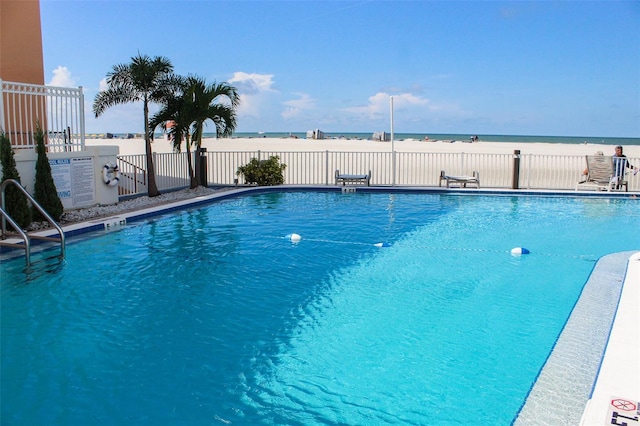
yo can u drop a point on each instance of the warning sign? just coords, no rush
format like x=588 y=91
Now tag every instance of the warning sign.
x=623 y=412
x=74 y=180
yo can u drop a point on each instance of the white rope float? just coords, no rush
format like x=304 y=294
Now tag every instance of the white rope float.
x=516 y=251
x=111 y=174
x=296 y=238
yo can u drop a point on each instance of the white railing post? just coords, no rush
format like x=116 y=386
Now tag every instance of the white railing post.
x=326 y=167
x=525 y=160
x=82 y=140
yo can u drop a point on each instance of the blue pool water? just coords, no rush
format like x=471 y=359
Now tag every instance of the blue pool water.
x=212 y=316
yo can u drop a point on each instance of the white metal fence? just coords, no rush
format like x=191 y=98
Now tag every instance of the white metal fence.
x=506 y=171
x=59 y=110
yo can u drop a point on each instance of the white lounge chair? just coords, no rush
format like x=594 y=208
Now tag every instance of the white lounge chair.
x=353 y=179
x=619 y=171
x=603 y=174
x=463 y=181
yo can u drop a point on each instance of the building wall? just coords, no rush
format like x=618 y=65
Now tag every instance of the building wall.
x=21 y=61
x=21 y=58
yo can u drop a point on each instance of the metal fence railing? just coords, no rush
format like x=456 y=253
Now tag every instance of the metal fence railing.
x=60 y=113
x=58 y=110
x=550 y=172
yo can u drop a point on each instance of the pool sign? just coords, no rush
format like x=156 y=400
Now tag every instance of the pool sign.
x=74 y=180
x=623 y=412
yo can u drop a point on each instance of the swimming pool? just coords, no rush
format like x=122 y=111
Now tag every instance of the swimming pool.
x=213 y=316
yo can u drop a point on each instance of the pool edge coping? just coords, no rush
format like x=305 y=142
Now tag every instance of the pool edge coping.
x=619 y=369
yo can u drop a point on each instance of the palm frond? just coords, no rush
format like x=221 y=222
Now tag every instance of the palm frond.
x=111 y=97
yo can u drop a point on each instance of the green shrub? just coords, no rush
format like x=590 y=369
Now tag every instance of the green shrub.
x=263 y=172
x=15 y=201
x=45 y=191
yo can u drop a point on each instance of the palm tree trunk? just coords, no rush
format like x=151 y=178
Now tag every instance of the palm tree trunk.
x=192 y=179
x=198 y=153
x=152 y=188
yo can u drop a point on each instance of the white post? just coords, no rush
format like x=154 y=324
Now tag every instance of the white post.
x=81 y=113
x=393 y=149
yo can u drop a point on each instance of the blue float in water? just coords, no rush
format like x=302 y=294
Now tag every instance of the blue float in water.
x=519 y=250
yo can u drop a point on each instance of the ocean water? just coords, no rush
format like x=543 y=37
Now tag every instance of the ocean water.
x=454 y=136
x=420 y=136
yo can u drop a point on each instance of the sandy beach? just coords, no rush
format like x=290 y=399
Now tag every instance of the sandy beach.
x=136 y=146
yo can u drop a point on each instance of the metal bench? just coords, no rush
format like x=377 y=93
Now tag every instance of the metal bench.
x=352 y=179
x=463 y=181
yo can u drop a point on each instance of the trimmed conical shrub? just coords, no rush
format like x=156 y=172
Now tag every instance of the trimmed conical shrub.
x=45 y=191
x=15 y=201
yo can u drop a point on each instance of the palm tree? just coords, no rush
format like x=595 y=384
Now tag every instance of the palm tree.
x=216 y=102
x=190 y=106
x=141 y=80
x=177 y=109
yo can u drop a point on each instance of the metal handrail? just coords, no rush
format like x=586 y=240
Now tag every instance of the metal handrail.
x=124 y=174
x=25 y=236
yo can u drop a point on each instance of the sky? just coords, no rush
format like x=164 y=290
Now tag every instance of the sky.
x=548 y=68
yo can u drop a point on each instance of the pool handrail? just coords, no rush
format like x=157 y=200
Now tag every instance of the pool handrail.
x=25 y=236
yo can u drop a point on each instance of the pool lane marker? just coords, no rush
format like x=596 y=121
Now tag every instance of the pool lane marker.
x=296 y=238
x=516 y=251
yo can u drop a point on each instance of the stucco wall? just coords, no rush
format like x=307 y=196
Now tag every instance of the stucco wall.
x=99 y=155
x=21 y=42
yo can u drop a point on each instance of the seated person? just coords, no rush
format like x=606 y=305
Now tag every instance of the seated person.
x=620 y=164
x=585 y=172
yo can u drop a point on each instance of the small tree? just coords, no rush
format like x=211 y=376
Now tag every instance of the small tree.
x=263 y=172
x=15 y=201
x=189 y=102
x=45 y=192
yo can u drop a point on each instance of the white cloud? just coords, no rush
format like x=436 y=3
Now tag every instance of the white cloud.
x=289 y=113
x=296 y=106
x=407 y=99
x=304 y=101
x=252 y=83
x=62 y=78
x=103 y=85
x=379 y=104
x=255 y=90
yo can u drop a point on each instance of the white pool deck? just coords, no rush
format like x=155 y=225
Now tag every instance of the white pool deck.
x=617 y=389
x=616 y=392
